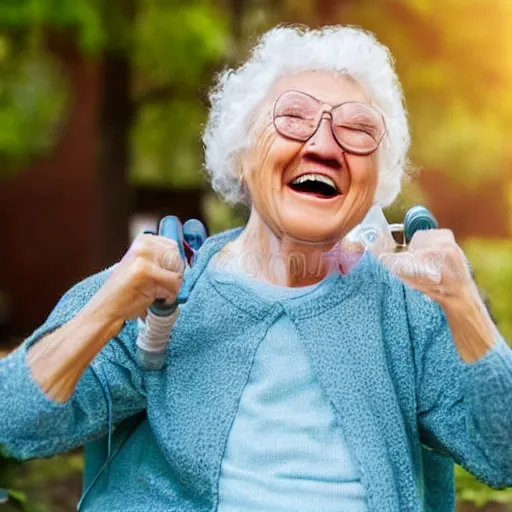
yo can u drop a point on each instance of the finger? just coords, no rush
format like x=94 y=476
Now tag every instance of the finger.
x=170 y=259
x=160 y=249
x=162 y=293
x=431 y=264
x=431 y=238
x=450 y=260
x=167 y=279
x=408 y=265
x=435 y=292
x=155 y=240
x=145 y=245
x=165 y=241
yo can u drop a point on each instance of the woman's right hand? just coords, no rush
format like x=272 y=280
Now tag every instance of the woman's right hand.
x=151 y=269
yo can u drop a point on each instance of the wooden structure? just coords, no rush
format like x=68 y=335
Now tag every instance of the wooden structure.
x=52 y=212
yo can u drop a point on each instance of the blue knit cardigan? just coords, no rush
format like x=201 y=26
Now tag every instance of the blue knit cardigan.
x=383 y=353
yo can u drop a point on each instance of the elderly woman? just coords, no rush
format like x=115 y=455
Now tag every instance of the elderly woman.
x=302 y=384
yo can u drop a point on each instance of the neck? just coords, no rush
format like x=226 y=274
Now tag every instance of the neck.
x=279 y=259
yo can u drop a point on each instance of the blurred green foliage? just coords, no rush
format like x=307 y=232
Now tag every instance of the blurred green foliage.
x=33 y=102
x=177 y=47
x=86 y=17
x=221 y=216
x=492 y=264
x=48 y=485
x=470 y=490
x=491 y=261
x=173 y=48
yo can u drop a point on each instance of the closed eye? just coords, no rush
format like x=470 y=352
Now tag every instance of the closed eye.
x=292 y=116
x=369 y=130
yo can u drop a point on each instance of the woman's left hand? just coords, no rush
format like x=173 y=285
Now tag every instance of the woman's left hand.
x=435 y=265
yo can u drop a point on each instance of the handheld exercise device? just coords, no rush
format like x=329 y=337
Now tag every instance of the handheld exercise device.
x=375 y=232
x=154 y=332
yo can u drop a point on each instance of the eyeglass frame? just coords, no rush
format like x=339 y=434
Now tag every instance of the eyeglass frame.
x=332 y=107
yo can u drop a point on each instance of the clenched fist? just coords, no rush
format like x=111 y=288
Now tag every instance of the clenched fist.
x=151 y=269
x=435 y=265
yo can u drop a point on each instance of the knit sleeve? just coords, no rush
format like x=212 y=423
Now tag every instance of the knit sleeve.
x=464 y=409
x=111 y=389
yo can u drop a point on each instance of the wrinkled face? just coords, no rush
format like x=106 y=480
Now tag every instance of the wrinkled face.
x=307 y=210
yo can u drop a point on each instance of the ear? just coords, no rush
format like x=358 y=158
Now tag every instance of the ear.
x=243 y=168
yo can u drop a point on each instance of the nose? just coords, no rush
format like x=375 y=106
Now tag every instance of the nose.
x=323 y=145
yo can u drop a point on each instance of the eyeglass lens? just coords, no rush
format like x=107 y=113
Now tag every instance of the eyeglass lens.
x=357 y=127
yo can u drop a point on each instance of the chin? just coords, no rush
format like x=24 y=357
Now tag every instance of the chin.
x=309 y=217
x=317 y=232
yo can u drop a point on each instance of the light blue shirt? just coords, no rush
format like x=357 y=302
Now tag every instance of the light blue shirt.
x=285 y=451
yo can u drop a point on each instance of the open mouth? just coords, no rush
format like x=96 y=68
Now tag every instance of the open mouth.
x=317 y=185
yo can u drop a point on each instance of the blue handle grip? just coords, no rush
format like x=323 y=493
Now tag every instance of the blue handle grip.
x=195 y=234
x=170 y=227
x=418 y=218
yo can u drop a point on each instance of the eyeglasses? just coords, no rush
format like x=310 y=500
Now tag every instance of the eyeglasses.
x=358 y=128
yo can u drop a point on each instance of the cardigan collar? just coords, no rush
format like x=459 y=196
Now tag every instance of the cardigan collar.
x=329 y=294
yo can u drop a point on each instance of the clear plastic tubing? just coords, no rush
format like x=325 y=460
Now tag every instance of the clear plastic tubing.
x=153 y=339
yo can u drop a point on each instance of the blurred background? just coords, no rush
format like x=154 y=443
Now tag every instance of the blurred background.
x=102 y=103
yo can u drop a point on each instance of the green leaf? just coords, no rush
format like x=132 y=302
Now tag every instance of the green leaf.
x=469 y=489
x=33 y=101
x=18 y=496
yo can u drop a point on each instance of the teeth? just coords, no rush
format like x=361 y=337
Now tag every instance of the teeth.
x=315 y=177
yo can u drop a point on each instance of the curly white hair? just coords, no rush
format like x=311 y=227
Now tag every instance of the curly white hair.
x=286 y=50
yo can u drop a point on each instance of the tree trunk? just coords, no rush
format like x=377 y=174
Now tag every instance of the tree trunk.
x=117 y=115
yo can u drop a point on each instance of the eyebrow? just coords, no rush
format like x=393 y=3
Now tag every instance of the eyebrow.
x=333 y=105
